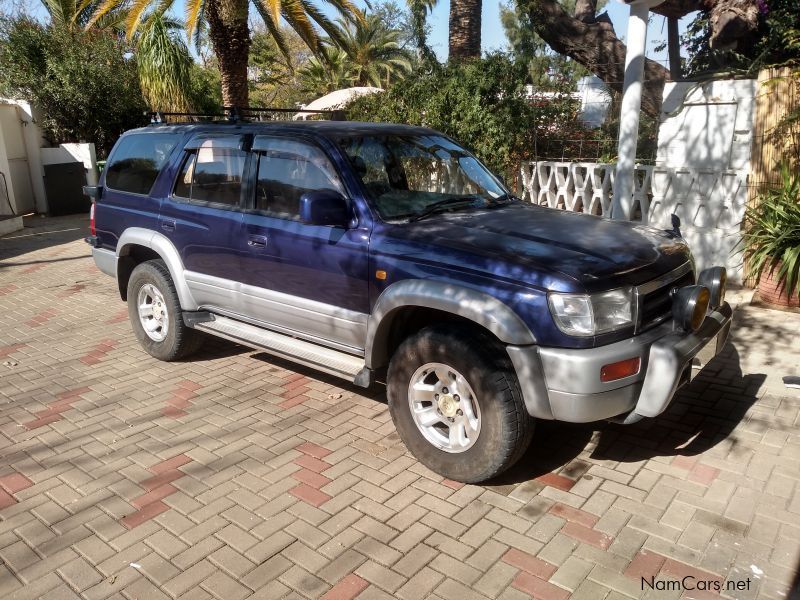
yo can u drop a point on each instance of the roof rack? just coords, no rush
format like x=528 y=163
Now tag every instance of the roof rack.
x=233 y=114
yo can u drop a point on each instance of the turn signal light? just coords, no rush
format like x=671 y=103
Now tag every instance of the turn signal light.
x=621 y=369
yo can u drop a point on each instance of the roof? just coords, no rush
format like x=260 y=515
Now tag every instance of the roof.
x=329 y=129
x=335 y=100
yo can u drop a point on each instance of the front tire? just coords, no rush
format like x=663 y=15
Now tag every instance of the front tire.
x=155 y=313
x=455 y=401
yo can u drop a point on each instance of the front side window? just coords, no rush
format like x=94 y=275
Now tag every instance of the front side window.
x=287 y=169
x=404 y=175
x=137 y=160
x=211 y=174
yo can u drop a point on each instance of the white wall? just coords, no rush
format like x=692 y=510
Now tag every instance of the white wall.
x=704 y=140
x=23 y=154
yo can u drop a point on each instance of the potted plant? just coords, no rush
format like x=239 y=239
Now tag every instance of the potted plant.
x=771 y=242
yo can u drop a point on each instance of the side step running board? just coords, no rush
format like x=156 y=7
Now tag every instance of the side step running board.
x=324 y=359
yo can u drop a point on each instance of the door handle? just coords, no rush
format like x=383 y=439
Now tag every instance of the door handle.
x=168 y=224
x=257 y=241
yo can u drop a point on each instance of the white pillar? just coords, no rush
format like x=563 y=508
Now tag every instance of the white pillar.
x=622 y=206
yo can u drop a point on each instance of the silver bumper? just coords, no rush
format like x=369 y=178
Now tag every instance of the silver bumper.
x=569 y=388
x=105 y=260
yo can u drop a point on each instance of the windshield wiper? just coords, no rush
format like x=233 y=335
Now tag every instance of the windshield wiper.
x=441 y=205
x=506 y=198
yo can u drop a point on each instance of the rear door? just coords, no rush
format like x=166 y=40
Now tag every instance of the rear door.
x=202 y=217
x=305 y=279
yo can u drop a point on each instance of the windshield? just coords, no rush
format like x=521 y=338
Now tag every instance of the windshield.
x=405 y=175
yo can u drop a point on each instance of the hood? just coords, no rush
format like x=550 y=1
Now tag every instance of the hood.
x=598 y=253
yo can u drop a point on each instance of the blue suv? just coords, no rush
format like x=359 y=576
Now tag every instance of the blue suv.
x=389 y=253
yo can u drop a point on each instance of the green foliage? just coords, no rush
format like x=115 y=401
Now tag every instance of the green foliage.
x=547 y=70
x=374 y=51
x=80 y=82
x=205 y=88
x=333 y=71
x=369 y=53
x=776 y=42
x=481 y=103
x=274 y=80
x=771 y=236
x=164 y=64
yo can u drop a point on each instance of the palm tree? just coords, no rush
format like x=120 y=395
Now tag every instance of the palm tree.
x=229 y=32
x=419 y=10
x=321 y=75
x=164 y=64
x=465 y=29
x=162 y=58
x=374 y=51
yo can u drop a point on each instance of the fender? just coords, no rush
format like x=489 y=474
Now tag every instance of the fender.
x=478 y=307
x=138 y=236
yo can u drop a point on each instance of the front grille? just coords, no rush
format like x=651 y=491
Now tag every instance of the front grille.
x=655 y=307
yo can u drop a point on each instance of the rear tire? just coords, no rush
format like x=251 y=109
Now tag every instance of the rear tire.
x=455 y=401
x=155 y=313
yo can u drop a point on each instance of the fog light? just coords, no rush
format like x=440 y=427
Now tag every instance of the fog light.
x=714 y=279
x=689 y=306
x=619 y=370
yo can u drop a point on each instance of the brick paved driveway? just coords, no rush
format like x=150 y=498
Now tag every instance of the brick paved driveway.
x=236 y=475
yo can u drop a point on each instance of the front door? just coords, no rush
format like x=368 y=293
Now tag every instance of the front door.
x=306 y=279
x=202 y=217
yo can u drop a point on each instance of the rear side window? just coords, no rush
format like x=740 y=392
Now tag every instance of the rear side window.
x=137 y=161
x=212 y=175
x=287 y=169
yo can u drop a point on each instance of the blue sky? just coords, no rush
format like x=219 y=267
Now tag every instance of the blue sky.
x=492 y=35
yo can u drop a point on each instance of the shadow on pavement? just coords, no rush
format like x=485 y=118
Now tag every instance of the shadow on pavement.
x=40 y=233
x=703 y=414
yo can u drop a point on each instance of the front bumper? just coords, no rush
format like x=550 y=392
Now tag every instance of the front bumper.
x=564 y=384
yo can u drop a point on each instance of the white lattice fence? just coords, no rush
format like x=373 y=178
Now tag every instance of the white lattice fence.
x=709 y=203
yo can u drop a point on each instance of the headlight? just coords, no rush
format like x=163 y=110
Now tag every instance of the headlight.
x=714 y=279
x=592 y=314
x=689 y=306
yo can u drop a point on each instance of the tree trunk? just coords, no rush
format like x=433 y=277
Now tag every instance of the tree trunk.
x=596 y=46
x=465 y=29
x=230 y=38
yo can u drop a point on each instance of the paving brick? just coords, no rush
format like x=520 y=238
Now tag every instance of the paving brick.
x=346 y=589
x=645 y=564
x=147 y=512
x=538 y=588
x=309 y=494
x=224 y=587
x=587 y=535
x=529 y=563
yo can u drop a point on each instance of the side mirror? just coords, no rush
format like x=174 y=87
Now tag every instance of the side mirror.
x=324 y=207
x=676 y=224
x=93 y=191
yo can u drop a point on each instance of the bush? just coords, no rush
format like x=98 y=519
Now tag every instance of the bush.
x=771 y=233
x=482 y=103
x=81 y=83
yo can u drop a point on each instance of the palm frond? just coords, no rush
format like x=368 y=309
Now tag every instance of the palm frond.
x=297 y=16
x=164 y=64
x=134 y=18
x=102 y=10
x=274 y=30
x=194 y=14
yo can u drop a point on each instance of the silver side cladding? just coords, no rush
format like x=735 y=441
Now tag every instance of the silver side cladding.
x=105 y=260
x=528 y=367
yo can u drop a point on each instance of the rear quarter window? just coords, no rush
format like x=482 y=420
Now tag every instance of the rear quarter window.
x=137 y=160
